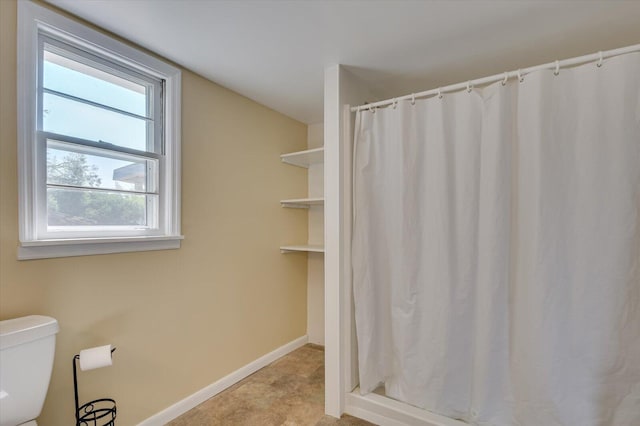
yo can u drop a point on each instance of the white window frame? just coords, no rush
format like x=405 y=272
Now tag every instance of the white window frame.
x=33 y=20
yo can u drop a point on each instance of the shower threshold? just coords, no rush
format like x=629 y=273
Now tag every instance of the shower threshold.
x=384 y=411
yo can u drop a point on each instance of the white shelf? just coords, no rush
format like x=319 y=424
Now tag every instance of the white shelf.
x=305 y=248
x=304 y=158
x=302 y=203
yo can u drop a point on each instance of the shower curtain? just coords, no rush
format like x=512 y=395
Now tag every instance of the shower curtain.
x=496 y=249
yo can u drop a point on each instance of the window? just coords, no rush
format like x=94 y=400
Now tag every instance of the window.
x=99 y=127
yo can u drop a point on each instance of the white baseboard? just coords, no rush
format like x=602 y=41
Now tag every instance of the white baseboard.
x=385 y=411
x=181 y=407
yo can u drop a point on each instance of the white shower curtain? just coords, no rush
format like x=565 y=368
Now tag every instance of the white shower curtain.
x=496 y=249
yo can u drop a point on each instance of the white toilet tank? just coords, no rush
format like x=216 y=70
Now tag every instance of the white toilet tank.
x=27 y=347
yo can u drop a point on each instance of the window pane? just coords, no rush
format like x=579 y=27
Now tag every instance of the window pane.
x=83 y=81
x=79 y=208
x=68 y=164
x=71 y=118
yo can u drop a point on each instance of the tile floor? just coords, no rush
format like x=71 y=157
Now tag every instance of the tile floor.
x=290 y=391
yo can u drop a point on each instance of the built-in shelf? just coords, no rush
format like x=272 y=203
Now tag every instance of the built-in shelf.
x=307 y=248
x=304 y=158
x=302 y=203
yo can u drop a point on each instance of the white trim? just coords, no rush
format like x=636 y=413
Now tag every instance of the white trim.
x=333 y=261
x=341 y=89
x=61 y=242
x=385 y=411
x=181 y=407
x=173 y=132
x=33 y=19
x=48 y=249
x=349 y=351
x=26 y=81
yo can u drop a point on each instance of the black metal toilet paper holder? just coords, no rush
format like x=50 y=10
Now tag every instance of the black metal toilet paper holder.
x=99 y=412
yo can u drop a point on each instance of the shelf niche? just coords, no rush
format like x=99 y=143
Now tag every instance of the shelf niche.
x=305 y=159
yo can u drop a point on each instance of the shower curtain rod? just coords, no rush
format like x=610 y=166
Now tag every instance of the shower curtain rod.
x=556 y=65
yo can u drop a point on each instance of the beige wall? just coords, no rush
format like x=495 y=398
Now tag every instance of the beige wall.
x=181 y=319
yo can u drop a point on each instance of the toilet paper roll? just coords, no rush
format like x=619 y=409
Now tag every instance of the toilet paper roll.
x=97 y=357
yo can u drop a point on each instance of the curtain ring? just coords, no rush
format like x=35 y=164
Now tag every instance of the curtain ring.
x=557 y=70
x=469 y=86
x=439 y=93
x=395 y=103
x=520 y=77
x=506 y=77
x=413 y=99
x=372 y=109
x=599 y=63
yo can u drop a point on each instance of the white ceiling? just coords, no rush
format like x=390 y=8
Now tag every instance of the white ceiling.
x=275 y=52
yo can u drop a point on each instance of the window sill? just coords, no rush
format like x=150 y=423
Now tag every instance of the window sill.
x=45 y=249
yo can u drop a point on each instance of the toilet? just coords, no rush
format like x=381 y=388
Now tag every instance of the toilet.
x=27 y=347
